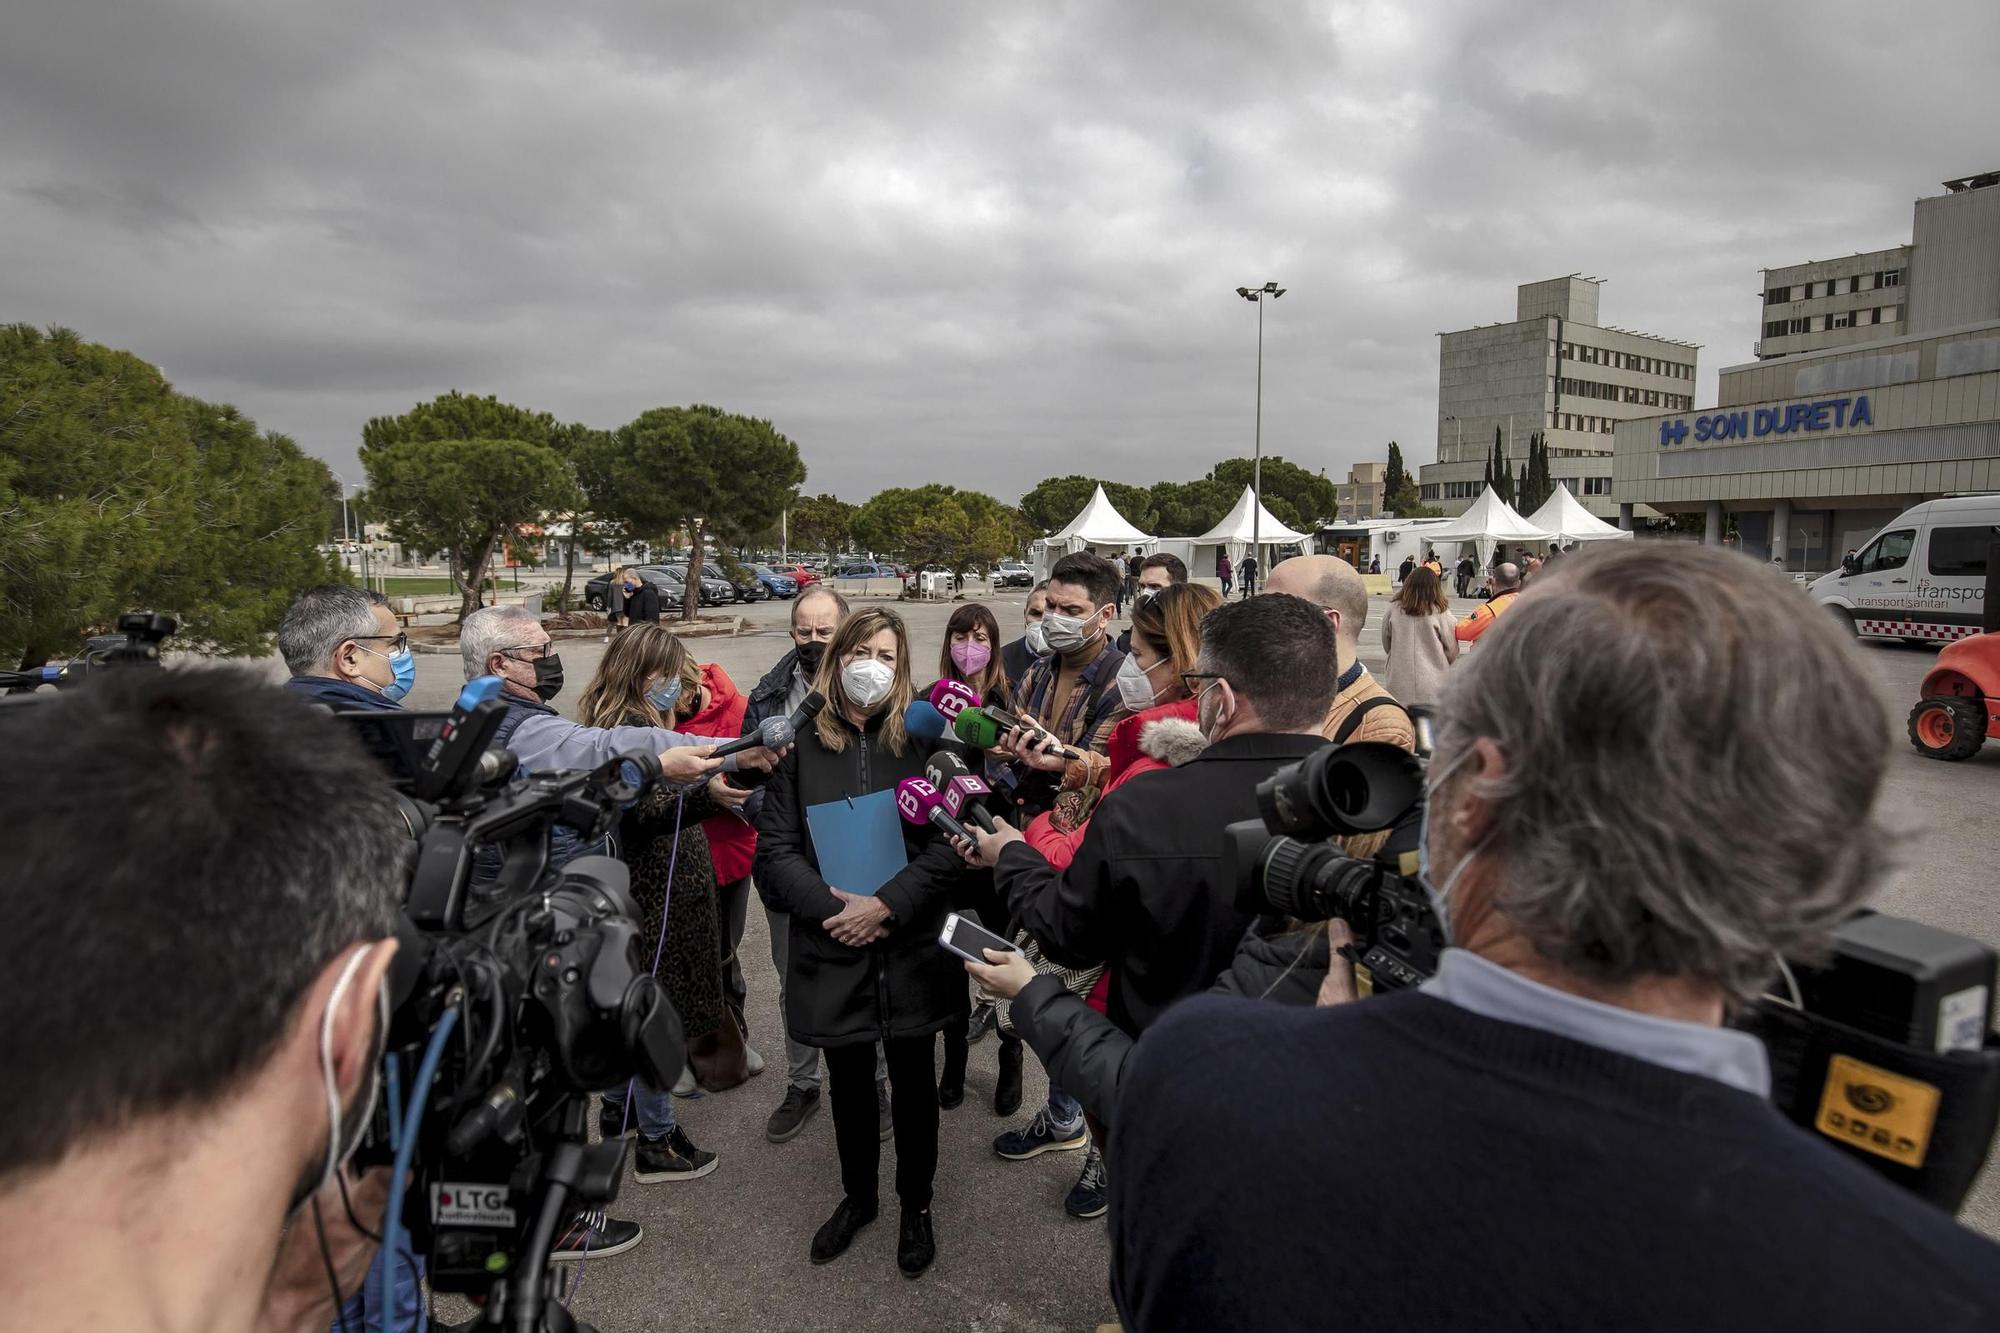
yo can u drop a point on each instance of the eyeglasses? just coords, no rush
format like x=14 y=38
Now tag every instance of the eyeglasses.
x=1188 y=679
x=533 y=650
x=397 y=642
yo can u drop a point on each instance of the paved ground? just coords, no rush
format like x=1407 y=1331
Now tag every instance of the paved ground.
x=729 y=1251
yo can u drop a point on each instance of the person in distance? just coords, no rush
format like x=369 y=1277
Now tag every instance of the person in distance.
x=1157 y=573
x=1503 y=589
x=971 y=654
x=815 y=619
x=864 y=963
x=174 y=1114
x=1556 y=1132
x=1419 y=634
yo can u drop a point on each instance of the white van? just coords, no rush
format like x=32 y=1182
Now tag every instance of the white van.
x=1922 y=577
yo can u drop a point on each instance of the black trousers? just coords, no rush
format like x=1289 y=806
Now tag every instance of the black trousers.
x=913 y=1102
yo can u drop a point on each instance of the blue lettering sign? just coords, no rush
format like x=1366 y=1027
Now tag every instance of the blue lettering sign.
x=1823 y=414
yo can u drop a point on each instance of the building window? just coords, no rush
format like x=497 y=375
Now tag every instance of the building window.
x=1892 y=278
x=1596 y=485
x=1891 y=313
x=1777 y=296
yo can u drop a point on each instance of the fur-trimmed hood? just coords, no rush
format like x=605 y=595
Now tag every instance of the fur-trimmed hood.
x=1127 y=746
x=1171 y=740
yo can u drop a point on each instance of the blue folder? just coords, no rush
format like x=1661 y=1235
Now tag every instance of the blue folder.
x=859 y=841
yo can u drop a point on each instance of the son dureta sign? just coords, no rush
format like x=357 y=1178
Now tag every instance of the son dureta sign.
x=1753 y=422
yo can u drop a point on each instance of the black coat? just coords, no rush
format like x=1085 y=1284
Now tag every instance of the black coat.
x=1152 y=891
x=903 y=985
x=1085 y=1052
x=1015 y=660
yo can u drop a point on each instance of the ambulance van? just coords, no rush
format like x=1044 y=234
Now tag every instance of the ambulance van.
x=1922 y=577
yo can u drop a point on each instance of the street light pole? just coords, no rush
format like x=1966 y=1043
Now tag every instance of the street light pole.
x=1256 y=295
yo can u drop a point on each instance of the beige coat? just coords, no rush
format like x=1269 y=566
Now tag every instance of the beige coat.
x=1421 y=650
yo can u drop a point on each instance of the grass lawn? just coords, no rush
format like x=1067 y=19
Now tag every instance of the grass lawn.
x=408 y=586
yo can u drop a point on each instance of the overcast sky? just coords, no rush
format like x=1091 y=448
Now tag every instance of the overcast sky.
x=974 y=243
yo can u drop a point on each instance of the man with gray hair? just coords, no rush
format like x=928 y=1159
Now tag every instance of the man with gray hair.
x=1628 y=826
x=509 y=642
x=1503 y=586
x=344 y=648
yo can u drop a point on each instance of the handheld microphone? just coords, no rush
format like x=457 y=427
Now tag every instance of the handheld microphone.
x=976 y=727
x=964 y=791
x=996 y=722
x=918 y=802
x=924 y=722
x=952 y=697
x=775 y=732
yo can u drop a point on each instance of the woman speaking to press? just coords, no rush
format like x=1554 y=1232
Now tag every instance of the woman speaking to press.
x=865 y=965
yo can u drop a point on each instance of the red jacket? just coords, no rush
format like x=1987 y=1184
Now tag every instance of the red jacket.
x=1130 y=756
x=731 y=842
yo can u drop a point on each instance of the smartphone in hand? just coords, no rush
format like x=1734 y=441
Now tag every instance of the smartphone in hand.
x=964 y=936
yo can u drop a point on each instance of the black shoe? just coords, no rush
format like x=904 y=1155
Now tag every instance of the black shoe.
x=885 y=1123
x=838 y=1232
x=984 y=1019
x=915 y=1246
x=1007 y=1088
x=1086 y=1197
x=792 y=1114
x=614 y=1122
x=671 y=1158
x=590 y=1233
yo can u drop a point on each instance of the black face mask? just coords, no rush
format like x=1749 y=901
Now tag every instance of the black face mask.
x=548 y=677
x=810 y=656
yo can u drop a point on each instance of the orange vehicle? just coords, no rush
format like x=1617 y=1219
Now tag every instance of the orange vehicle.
x=1960 y=705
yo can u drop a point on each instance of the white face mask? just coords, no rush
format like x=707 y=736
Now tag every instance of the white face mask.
x=1038 y=640
x=1440 y=894
x=1135 y=685
x=866 y=682
x=1065 y=633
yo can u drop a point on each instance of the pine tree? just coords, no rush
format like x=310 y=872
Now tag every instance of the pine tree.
x=1394 y=475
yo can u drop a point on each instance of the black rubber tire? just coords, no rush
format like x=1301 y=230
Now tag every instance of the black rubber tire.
x=593 y=602
x=1967 y=719
x=1846 y=619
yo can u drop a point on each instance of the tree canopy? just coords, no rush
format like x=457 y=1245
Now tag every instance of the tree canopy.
x=699 y=469
x=822 y=523
x=1295 y=496
x=116 y=493
x=459 y=475
x=1054 y=502
x=941 y=525
x=1190 y=508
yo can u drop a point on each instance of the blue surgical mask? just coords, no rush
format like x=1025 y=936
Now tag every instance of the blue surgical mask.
x=665 y=695
x=404 y=667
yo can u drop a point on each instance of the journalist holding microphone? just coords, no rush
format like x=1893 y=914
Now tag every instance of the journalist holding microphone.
x=864 y=963
x=1629 y=824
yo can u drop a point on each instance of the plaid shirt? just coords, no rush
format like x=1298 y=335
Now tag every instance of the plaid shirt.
x=1067 y=717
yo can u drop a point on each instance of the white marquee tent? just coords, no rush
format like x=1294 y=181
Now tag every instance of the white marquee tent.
x=1489 y=521
x=1563 y=516
x=1097 y=525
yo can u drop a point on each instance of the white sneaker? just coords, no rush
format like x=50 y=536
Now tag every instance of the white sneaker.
x=685 y=1086
x=752 y=1060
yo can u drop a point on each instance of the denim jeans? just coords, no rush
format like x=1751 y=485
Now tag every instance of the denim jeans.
x=1064 y=1110
x=364 y=1309
x=655 y=1110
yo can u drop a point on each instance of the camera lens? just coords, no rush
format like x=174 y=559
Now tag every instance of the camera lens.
x=1344 y=789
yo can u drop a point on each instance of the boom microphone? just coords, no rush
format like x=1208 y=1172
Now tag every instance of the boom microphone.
x=775 y=733
x=964 y=791
x=918 y=802
x=924 y=722
x=952 y=697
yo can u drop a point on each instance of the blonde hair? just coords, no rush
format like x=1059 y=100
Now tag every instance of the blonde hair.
x=617 y=693
x=1170 y=621
x=854 y=631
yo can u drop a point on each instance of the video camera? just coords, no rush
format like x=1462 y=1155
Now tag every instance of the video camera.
x=1886 y=1047
x=137 y=643
x=519 y=989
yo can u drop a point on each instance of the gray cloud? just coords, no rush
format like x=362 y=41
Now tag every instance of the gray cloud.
x=936 y=241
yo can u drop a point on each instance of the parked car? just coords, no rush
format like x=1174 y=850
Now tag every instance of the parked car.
x=777 y=582
x=1012 y=574
x=867 y=569
x=673 y=591
x=801 y=574
x=715 y=589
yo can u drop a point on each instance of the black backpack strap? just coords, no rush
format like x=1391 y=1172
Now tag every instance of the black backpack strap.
x=1353 y=720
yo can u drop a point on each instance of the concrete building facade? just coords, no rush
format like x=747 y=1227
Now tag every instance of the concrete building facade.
x=1807 y=454
x=1361 y=495
x=1556 y=370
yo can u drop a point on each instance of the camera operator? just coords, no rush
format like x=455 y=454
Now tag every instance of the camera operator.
x=192 y=1020
x=1556 y=1131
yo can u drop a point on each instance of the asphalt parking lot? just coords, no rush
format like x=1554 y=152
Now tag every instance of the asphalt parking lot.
x=729 y=1251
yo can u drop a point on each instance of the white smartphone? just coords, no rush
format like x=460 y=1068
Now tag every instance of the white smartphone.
x=964 y=936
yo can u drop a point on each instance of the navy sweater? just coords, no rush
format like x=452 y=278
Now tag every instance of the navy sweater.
x=1402 y=1163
